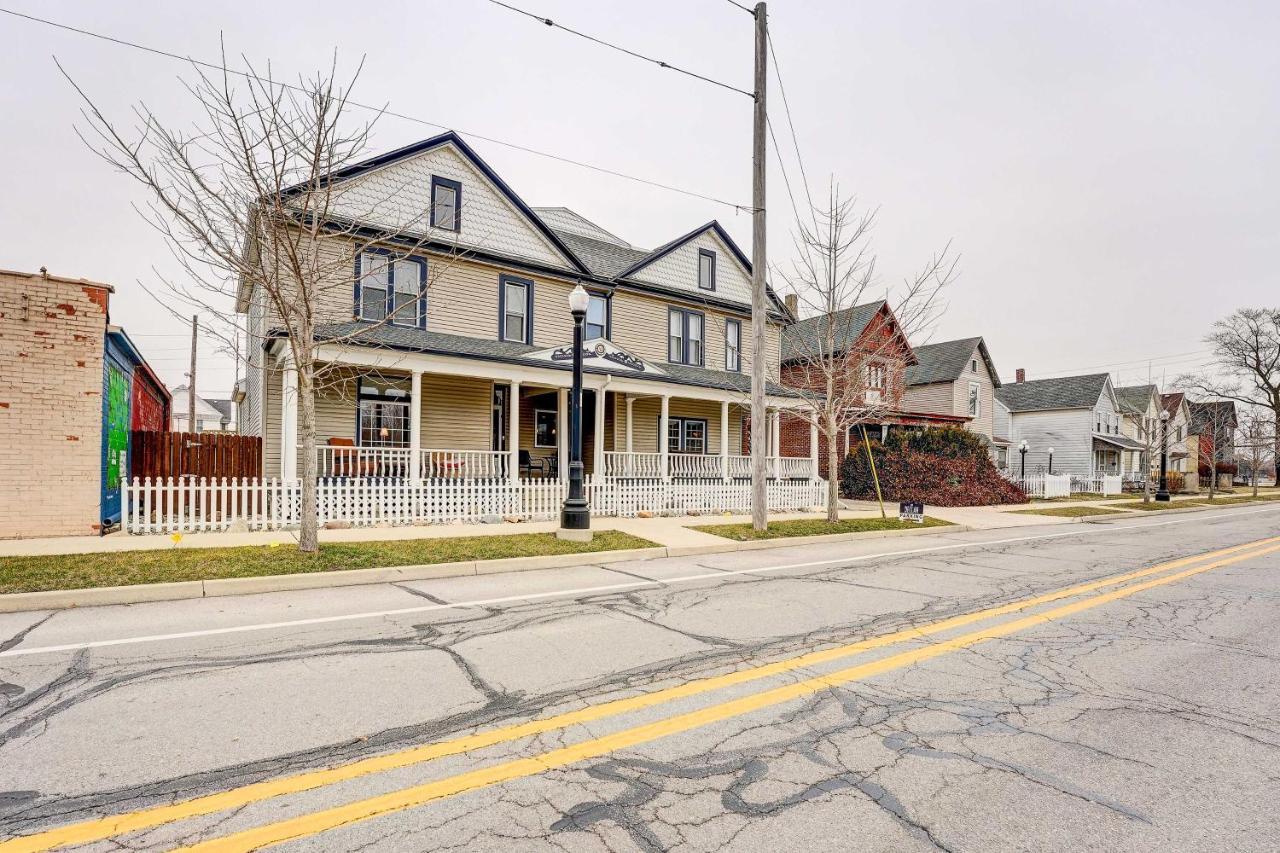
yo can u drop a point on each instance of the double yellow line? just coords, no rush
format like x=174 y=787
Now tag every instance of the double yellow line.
x=309 y=824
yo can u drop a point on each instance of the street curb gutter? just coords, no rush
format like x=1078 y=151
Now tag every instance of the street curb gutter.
x=142 y=593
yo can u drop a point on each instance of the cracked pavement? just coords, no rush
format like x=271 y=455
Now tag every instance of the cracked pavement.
x=1147 y=723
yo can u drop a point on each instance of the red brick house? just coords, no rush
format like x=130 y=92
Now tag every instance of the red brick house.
x=872 y=343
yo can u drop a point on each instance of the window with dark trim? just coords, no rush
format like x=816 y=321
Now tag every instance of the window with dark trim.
x=382 y=419
x=446 y=203
x=733 y=345
x=706 y=269
x=597 y=322
x=391 y=289
x=515 y=309
x=687 y=435
x=545 y=428
x=685 y=337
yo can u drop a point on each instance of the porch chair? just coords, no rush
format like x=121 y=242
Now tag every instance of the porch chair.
x=347 y=462
x=528 y=464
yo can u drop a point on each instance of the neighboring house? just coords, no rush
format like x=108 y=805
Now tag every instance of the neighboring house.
x=470 y=378
x=1214 y=423
x=211 y=415
x=957 y=378
x=1002 y=425
x=72 y=386
x=1184 y=442
x=1077 y=416
x=1140 y=409
x=870 y=339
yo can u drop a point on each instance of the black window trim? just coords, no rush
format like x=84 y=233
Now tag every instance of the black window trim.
x=730 y=321
x=685 y=314
x=555 y=414
x=608 y=312
x=682 y=421
x=707 y=253
x=527 y=284
x=420 y=320
x=456 y=186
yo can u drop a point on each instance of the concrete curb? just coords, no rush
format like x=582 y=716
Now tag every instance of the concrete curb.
x=142 y=593
x=1182 y=510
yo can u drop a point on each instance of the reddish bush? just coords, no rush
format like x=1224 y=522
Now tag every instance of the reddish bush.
x=1223 y=468
x=943 y=467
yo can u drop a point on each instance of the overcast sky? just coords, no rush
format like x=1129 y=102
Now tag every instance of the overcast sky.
x=1108 y=171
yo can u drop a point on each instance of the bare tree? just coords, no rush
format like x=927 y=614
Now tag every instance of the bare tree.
x=843 y=364
x=1246 y=367
x=1217 y=418
x=1255 y=446
x=248 y=204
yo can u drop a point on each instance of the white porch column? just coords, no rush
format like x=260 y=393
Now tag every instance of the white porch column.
x=415 y=427
x=562 y=434
x=724 y=440
x=289 y=425
x=631 y=399
x=597 y=462
x=775 y=442
x=813 y=451
x=514 y=448
x=664 y=437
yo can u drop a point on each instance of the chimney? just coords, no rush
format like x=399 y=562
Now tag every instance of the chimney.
x=1020 y=375
x=793 y=304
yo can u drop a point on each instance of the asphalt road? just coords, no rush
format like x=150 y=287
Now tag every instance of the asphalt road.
x=1110 y=686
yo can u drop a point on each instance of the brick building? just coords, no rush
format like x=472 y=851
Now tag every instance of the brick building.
x=61 y=367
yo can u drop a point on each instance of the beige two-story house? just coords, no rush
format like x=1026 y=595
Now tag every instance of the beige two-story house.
x=454 y=339
x=957 y=378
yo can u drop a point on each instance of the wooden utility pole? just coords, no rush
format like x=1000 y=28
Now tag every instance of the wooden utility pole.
x=759 y=300
x=191 y=377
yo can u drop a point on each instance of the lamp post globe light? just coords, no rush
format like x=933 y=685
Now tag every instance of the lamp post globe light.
x=1022 y=448
x=575 y=515
x=1163 y=493
x=1050 y=460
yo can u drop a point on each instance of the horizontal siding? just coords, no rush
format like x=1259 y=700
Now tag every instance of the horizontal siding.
x=1068 y=431
x=937 y=398
x=456 y=412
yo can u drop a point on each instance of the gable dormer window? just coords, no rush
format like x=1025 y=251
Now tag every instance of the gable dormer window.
x=706 y=269
x=446 y=203
x=391 y=289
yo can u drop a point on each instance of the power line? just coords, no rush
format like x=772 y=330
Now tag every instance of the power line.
x=213 y=66
x=747 y=9
x=658 y=62
x=786 y=108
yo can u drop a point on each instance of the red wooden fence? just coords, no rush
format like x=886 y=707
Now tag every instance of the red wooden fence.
x=196 y=454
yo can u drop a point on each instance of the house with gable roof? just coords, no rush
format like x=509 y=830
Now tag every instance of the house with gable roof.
x=469 y=378
x=958 y=378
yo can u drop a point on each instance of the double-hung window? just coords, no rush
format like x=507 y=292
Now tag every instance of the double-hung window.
x=874 y=383
x=685 y=337
x=391 y=289
x=545 y=428
x=515 y=309
x=687 y=435
x=446 y=203
x=733 y=345
x=597 y=323
x=706 y=269
x=975 y=400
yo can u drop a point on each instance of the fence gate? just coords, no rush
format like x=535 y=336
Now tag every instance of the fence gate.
x=194 y=454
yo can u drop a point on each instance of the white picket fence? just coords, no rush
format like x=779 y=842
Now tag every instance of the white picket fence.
x=1045 y=485
x=190 y=506
x=1098 y=484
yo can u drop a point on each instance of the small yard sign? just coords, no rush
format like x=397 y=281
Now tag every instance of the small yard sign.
x=911 y=511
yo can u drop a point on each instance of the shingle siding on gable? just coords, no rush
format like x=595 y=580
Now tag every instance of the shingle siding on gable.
x=679 y=270
x=398 y=196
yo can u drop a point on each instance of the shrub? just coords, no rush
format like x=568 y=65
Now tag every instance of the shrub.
x=1223 y=468
x=943 y=467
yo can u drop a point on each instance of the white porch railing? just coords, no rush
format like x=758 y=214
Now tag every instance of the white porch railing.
x=695 y=466
x=633 y=465
x=700 y=466
x=464 y=464
x=185 y=505
x=362 y=462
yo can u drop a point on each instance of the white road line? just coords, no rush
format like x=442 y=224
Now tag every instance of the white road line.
x=594 y=590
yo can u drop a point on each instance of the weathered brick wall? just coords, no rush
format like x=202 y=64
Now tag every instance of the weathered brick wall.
x=51 y=349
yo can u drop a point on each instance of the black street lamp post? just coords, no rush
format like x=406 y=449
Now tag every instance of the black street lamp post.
x=1163 y=493
x=1022 y=448
x=575 y=516
x=1050 y=460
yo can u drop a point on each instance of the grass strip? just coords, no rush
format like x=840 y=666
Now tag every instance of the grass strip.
x=125 y=568
x=1070 y=511
x=815 y=527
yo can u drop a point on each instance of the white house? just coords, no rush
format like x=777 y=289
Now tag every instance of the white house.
x=1077 y=417
x=212 y=415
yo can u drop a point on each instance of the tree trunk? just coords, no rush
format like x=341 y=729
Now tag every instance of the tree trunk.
x=309 y=520
x=833 y=468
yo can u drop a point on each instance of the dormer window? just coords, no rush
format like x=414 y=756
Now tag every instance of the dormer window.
x=706 y=269
x=446 y=203
x=973 y=365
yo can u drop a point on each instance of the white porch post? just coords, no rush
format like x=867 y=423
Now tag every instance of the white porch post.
x=289 y=425
x=562 y=434
x=597 y=462
x=664 y=438
x=813 y=452
x=724 y=440
x=514 y=449
x=631 y=398
x=775 y=441
x=415 y=427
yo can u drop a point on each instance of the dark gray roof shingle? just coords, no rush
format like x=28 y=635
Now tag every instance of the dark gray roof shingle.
x=1068 y=392
x=1134 y=398
x=381 y=336
x=807 y=338
x=947 y=361
x=604 y=259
